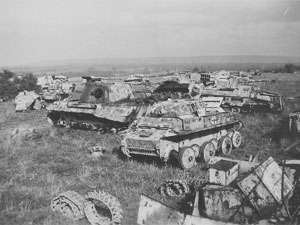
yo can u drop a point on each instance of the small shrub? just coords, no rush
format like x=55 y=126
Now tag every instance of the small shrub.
x=11 y=84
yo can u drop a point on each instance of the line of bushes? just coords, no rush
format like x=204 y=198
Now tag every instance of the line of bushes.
x=11 y=84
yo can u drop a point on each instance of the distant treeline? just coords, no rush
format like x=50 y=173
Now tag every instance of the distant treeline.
x=11 y=84
x=286 y=68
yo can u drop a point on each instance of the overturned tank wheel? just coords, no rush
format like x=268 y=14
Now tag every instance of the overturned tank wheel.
x=187 y=158
x=208 y=151
x=225 y=145
x=236 y=139
x=196 y=149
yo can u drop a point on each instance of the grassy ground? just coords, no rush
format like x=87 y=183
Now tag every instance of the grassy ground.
x=38 y=161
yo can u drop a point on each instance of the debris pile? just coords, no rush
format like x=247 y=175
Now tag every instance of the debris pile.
x=27 y=100
x=93 y=206
x=260 y=193
x=96 y=151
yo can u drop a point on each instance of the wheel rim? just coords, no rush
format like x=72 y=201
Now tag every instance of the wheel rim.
x=209 y=151
x=236 y=139
x=188 y=158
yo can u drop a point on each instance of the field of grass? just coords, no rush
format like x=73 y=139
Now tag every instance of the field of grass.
x=38 y=161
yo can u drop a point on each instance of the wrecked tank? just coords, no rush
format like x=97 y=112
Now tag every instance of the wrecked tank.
x=246 y=98
x=183 y=129
x=100 y=106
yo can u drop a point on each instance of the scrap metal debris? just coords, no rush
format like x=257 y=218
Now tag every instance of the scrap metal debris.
x=70 y=204
x=266 y=187
x=96 y=151
x=74 y=206
x=258 y=196
x=224 y=203
x=112 y=204
x=26 y=100
x=174 y=188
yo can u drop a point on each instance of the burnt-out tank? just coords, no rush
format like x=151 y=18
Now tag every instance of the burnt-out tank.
x=184 y=129
x=246 y=98
x=101 y=105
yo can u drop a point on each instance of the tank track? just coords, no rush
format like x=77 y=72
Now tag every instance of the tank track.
x=174 y=188
x=85 y=122
x=179 y=188
x=70 y=204
x=110 y=202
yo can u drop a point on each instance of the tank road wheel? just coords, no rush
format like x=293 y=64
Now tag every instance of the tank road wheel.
x=208 y=151
x=236 y=139
x=225 y=145
x=187 y=158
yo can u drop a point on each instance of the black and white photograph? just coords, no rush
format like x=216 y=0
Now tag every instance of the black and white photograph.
x=149 y=112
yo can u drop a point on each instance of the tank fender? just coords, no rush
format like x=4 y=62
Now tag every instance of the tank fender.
x=166 y=147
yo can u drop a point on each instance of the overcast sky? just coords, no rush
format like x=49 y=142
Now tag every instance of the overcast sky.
x=40 y=30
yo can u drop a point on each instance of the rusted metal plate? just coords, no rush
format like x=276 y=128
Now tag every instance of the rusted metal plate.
x=263 y=187
x=195 y=220
x=25 y=100
x=152 y=212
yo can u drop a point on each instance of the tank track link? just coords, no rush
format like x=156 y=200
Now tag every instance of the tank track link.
x=180 y=187
x=174 y=188
x=110 y=202
x=93 y=124
x=70 y=204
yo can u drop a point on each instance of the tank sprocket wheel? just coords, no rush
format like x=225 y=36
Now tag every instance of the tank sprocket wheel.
x=111 y=202
x=225 y=145
x=174 y=188
x=187 y=158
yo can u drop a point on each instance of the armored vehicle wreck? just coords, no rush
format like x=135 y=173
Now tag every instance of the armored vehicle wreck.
x=101 y=106
x=246 y=98
x=185 y=129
